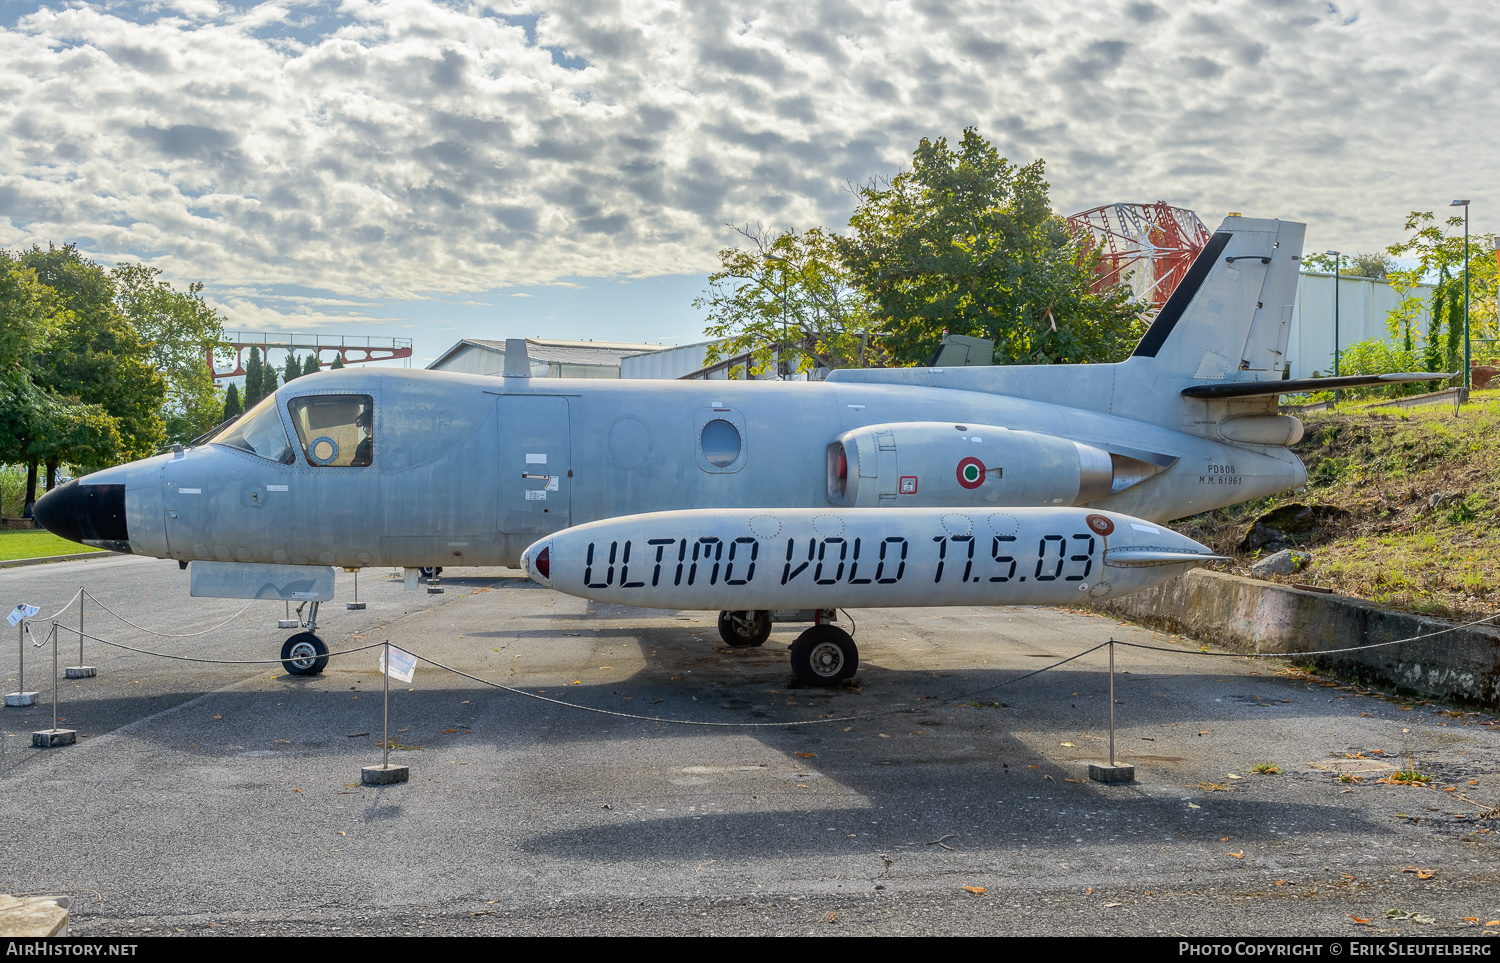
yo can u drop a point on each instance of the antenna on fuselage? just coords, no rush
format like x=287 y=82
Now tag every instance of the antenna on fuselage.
x=517 y=362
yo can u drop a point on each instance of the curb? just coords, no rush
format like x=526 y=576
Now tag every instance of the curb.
x=1250 y=615
x=76 y=557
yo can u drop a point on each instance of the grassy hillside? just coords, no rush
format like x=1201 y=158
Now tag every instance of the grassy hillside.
x=1401 y=509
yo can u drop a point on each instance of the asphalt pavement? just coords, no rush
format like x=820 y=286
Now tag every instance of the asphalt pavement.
x=675 y=785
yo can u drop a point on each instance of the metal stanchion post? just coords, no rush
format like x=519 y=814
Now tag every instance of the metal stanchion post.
x=47 y=738
x=1112 y=772
x=356 y=605
x=20 y=697
x=80 y=671
x=385 y=774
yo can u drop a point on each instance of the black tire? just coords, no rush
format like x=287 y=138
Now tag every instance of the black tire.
x=739 y=629
x=429 y=571
x=824 y=656
x=304 y=654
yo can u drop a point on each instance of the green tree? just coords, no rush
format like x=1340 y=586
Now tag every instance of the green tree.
x=786 y=293
x=37 y=426
x=293 y=369
x=256 y=375
x=1370 y=264
x=1439 y=254
x=967 y=243
x=338 y=362
x=181 y=332
x=97 y=358
x=232 y=406
x=310 y=364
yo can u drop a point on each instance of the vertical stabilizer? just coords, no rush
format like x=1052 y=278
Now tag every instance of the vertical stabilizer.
x=1229 y=319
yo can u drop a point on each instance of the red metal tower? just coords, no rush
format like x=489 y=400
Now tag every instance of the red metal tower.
x=1147 y=247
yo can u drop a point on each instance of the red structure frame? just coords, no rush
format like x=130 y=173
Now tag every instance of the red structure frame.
x=354 y=350
x=1147 y=247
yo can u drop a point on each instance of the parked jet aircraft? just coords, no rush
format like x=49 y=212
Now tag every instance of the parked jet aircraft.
x=906 y=474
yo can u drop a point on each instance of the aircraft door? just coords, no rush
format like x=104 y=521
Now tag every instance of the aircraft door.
x=535 y=465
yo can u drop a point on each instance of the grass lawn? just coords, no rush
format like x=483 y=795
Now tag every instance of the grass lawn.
x=37 y=544
x=1416 y=500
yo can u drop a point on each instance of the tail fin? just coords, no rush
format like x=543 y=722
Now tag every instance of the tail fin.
x=1229 y=319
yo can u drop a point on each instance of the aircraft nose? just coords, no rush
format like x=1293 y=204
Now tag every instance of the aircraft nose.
x=91 y=514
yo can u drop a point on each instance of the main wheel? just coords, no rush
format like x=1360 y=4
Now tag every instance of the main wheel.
x=429 y=571
x=824 y=656
x=304 y=654
x=744 y=628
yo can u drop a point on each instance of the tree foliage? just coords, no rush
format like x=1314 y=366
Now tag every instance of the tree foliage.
x=37 y=423
x=96 y=357
x=232 y=406
x=180 y=333
x=1368 y=264
x=1439 y=257
x=786 y=294
x=966 y=242
x=260 y=379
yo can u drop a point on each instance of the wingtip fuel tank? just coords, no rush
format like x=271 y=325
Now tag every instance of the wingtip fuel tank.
x=748 y=559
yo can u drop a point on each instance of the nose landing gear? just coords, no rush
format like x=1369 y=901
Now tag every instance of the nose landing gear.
x=305 y=653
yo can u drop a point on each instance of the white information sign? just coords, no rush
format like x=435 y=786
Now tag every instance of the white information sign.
x=22 y=611
x=403 y=664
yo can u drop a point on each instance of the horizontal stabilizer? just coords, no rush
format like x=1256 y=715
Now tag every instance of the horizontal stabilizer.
x=1248 y=389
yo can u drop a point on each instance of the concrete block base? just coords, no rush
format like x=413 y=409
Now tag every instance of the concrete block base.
x=433 y=588
x=19 y=699
x=48 y=738
x=1106 y=773
x=80 y=672
x=383 y=775
x=34 y=916
x=354 y=606
x=288 y=624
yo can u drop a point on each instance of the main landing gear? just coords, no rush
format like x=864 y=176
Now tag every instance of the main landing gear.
x=740 y=629
x=305 y=653
x=822 y=657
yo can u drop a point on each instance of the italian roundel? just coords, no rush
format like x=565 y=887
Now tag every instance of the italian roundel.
x=971 y=473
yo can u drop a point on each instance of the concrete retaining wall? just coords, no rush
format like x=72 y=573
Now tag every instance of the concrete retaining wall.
x=1250 y=615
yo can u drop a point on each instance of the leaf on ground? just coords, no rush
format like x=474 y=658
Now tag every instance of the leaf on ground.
x=805 y=755
x=976 y=890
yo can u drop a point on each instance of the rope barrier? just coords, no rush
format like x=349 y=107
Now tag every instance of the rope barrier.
x=165 y=635
x=688 y=722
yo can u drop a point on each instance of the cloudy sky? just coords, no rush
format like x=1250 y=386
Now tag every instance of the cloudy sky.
x=437 y=170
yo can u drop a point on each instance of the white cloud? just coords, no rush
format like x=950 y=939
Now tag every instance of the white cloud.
x=401 y=148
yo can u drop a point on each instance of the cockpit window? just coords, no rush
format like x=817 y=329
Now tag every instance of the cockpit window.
x=260 y=432
x=336 y=431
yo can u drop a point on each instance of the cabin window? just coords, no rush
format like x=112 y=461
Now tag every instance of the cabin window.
x=336 y=431
x=260 y=432
x=721 y=442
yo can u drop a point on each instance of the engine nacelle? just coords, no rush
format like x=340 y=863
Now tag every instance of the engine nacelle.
x=946 y=465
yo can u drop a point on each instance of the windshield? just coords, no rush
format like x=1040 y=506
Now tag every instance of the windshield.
x=260 y=432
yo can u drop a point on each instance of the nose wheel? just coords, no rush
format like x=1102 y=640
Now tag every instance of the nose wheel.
x=739 y=629
x=824 y=656
x=304 y=654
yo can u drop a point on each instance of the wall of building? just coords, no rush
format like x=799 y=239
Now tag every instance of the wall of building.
x=1364 y=304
